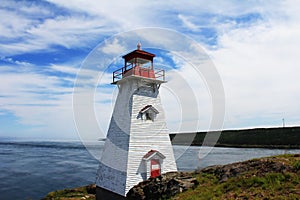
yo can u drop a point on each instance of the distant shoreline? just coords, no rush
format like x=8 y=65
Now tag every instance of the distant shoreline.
x=256 y=146
x=271 y=138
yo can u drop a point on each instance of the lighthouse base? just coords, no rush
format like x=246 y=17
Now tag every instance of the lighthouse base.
x=103 y=194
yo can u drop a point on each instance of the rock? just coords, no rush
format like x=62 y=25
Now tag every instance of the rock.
x=164 y=186
x=172 y=183
x=262 y=167
x=86 y=192
x=91 y=189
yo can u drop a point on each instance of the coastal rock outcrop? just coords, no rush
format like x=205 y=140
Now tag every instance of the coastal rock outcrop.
x=171 y=184
x=258 y=167
x=164 y=186
x=85 y=193
x=263 y=178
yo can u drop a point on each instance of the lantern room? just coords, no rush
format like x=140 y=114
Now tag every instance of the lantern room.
x=138 y=63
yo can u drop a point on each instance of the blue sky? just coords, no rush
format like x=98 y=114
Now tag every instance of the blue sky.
x=253 y=44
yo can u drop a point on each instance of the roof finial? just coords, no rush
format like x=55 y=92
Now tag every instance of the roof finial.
x=139 y=46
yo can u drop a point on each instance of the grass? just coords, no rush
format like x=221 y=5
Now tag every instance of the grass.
x=72 y=194
x=297 y=165
x=250 y=184
x=276 y=177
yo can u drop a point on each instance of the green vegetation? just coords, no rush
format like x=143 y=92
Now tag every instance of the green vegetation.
x=266 y=178
x=288 y=137
x=86 y=192
x=276 y=177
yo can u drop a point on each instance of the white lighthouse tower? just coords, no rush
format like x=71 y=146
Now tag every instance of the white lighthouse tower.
x=138 y=145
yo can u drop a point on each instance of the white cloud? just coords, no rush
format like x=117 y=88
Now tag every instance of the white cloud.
x=17 y=62
x=258 y=60
x=14 y=27
x=122 y=15
x=35 y=27
x=66 y=31
x=187 y=23
x=39 y=102
x=64 y=69
x=113 y=48
x=259 y=69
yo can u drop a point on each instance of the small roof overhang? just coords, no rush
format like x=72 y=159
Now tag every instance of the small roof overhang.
x=149 y=107
x=152 y=153
x=139 y=54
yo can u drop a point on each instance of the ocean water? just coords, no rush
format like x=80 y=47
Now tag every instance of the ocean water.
x=31 y=169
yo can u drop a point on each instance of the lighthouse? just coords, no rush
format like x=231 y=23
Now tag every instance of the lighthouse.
x=137 y=146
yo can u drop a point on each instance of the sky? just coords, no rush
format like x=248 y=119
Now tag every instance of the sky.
x=46 y=46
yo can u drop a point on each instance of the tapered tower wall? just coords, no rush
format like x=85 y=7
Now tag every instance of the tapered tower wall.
x=138 y=144
x=146 y=135
x=130 y=137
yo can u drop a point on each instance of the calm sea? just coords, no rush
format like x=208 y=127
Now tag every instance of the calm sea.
x=29 y=170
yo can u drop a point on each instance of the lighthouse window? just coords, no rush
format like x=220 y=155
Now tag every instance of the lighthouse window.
x=148 y=116
x=148 y=113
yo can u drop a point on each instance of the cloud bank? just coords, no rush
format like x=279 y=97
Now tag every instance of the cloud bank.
x=254 y=46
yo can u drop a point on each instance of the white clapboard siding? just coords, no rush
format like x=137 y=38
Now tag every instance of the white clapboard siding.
x=130 y=138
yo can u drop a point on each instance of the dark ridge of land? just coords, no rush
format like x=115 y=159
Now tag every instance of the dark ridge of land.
x=285 y=138
x=276 y=177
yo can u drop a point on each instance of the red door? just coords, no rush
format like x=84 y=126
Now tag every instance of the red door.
x=155 y=168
